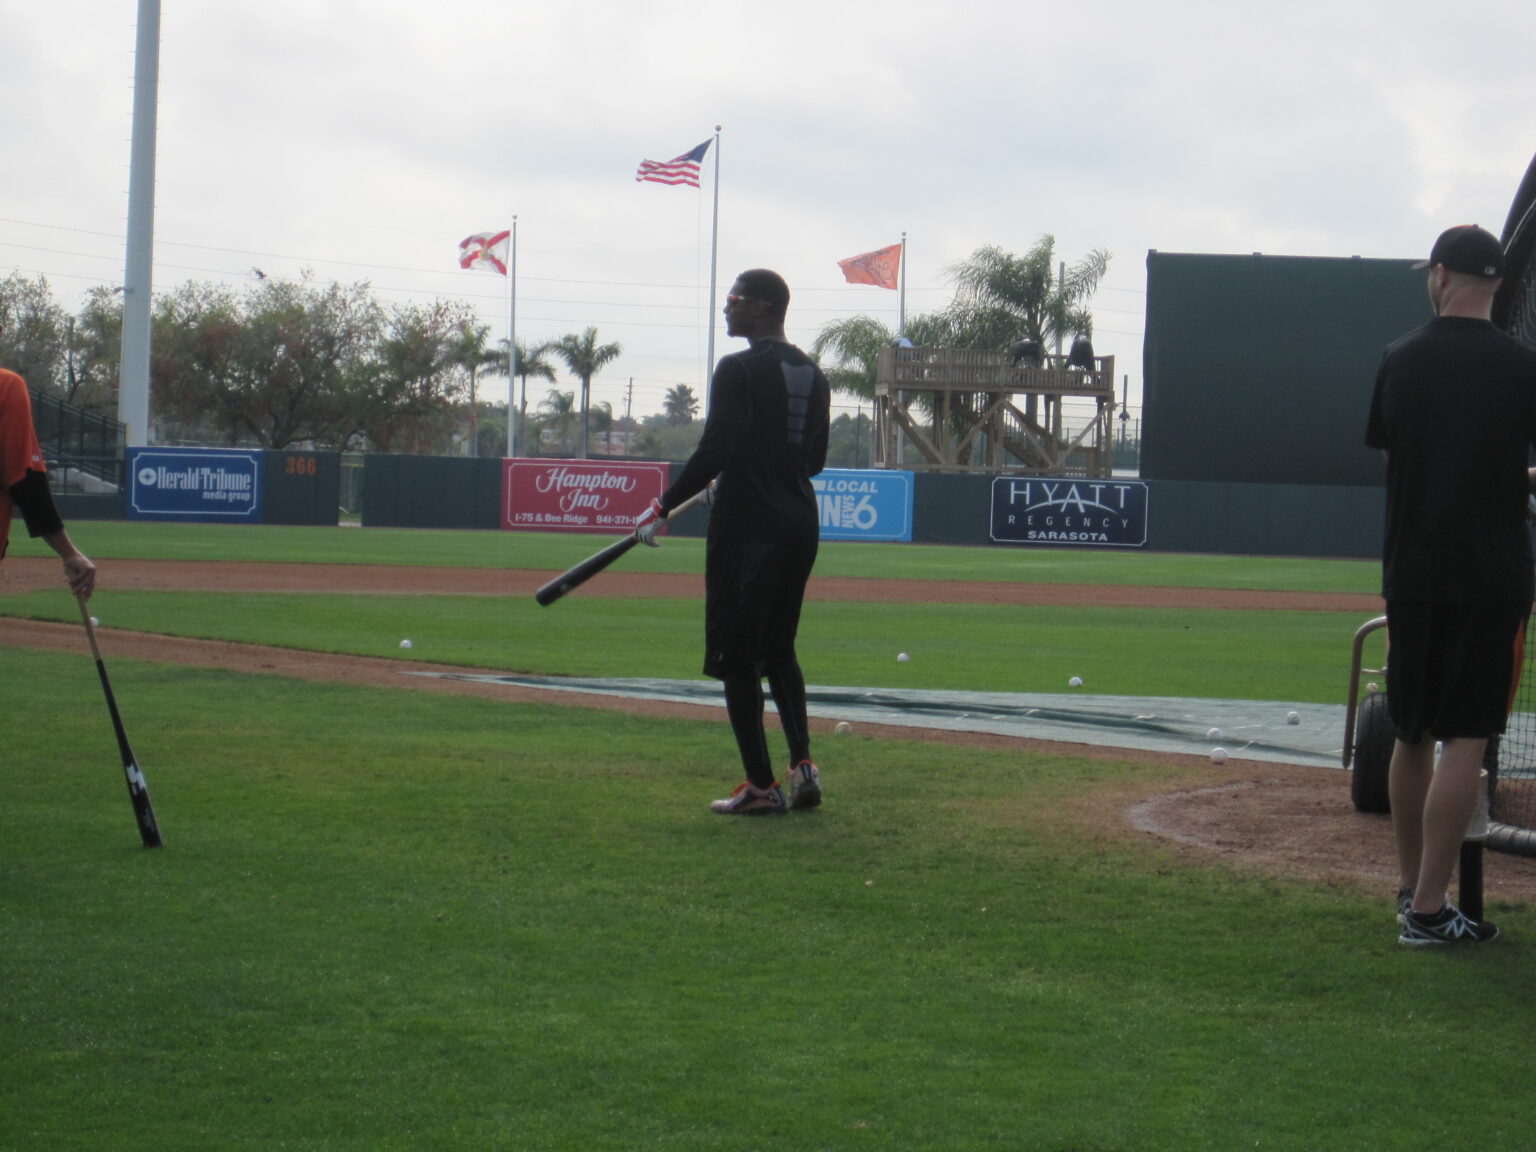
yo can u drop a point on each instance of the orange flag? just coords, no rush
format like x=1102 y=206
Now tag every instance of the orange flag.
x=882 y=267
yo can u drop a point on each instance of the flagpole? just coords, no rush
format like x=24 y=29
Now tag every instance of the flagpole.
x=901 y=315
x=512 y=347
x=714 y=252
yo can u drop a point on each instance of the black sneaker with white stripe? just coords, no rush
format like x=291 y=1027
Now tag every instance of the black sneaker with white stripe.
x=1450 y=925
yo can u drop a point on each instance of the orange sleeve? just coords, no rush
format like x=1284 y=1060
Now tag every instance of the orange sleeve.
x=19 y=451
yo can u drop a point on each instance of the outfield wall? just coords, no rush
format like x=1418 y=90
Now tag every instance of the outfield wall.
x=1178 y=515
x=1181 y=516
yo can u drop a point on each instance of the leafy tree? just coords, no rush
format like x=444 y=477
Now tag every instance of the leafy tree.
x=559 y=410
x=94 y=352
x=290 y=362
x=1002 y=297
x=660 y=439
x=849 y=441
x=198 y=376
x=680 y=405
x=585 y=358
x=33 y=331
x=492 y=431
x=602 y=423
x=416 y=384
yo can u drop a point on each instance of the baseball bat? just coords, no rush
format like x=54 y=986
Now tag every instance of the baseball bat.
x=592 y=565
x=138 y=790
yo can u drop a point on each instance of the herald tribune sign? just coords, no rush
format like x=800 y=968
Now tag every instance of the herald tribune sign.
x=859 y=505
x=194 y=484
x=1059 y=510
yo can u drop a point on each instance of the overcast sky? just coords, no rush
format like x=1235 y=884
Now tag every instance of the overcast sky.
x=363 y=139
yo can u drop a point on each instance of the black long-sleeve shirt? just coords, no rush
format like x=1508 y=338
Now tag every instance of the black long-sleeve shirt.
x=765 y=437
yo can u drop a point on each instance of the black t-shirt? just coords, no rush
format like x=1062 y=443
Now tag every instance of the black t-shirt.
x=1455 y=410
x=765 y=437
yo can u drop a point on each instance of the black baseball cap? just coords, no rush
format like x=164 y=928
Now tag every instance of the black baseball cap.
x=1468 y=249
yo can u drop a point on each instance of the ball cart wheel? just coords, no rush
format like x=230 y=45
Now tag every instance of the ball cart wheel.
x=1374 y=738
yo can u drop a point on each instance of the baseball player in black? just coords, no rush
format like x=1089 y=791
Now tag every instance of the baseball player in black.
x=764 y=438
x=1454 y=410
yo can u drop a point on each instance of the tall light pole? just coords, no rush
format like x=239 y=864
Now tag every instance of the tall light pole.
x=133 y=387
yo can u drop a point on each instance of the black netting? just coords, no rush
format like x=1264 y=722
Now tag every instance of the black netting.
x=1514 y=793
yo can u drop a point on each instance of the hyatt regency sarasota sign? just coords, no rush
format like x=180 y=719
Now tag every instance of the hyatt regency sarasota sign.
x=1061 y=510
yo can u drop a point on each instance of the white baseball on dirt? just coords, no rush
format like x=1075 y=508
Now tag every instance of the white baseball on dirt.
x=95 y=623
x=1218 y=755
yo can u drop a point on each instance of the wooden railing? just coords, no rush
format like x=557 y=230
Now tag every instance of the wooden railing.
x=969 y=410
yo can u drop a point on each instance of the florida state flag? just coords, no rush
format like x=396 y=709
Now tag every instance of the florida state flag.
x=485 y=250
x=882 y=267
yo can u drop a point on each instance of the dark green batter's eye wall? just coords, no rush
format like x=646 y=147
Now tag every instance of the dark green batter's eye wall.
x=1258 y=369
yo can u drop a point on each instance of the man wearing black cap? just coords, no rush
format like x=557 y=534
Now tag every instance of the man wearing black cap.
x=1454 y=410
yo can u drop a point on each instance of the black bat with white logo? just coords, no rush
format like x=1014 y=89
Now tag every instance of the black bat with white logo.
x=138 y=790
x=592 y=565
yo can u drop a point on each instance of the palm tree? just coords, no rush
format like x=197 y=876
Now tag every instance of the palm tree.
x=680 y=405
x=602 y=424
x=559 y=408
x=585 y=357
x=1002 y=297
x=532 y=360
x=467 y=349
x=855 y=344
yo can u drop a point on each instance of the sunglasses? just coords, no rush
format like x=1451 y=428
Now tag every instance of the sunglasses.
x=732 y=298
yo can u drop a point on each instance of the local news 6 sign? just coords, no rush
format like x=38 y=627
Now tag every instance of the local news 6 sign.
x=1083 y=513
x=578 y=495
x=194 y=484
x=857 y=505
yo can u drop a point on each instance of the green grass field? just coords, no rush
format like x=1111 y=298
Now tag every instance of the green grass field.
x=391 y=920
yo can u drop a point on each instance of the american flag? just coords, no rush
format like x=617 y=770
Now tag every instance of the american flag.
x=683 y=169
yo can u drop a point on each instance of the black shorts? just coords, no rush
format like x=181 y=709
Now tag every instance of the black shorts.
x=753 y=591
x=1452 y=669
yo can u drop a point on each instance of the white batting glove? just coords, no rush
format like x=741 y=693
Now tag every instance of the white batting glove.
x=649 y=522
x=713 y=488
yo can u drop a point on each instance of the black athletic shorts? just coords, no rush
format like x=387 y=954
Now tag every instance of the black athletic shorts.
x=753 y=588
x=1452 y=669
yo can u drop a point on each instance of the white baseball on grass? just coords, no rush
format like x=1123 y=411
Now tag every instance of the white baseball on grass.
x=1075 y=682
x=1218 y=755
x=95 y=623
x=843 y=728
x=902 y=657
x=405 y=643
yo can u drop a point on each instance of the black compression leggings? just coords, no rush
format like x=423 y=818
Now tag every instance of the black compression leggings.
x=744 y=705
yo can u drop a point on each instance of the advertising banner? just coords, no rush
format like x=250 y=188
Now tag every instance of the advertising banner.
x=864 y=505
x=1060 y=510
x=194 y=484
x=578 y=495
